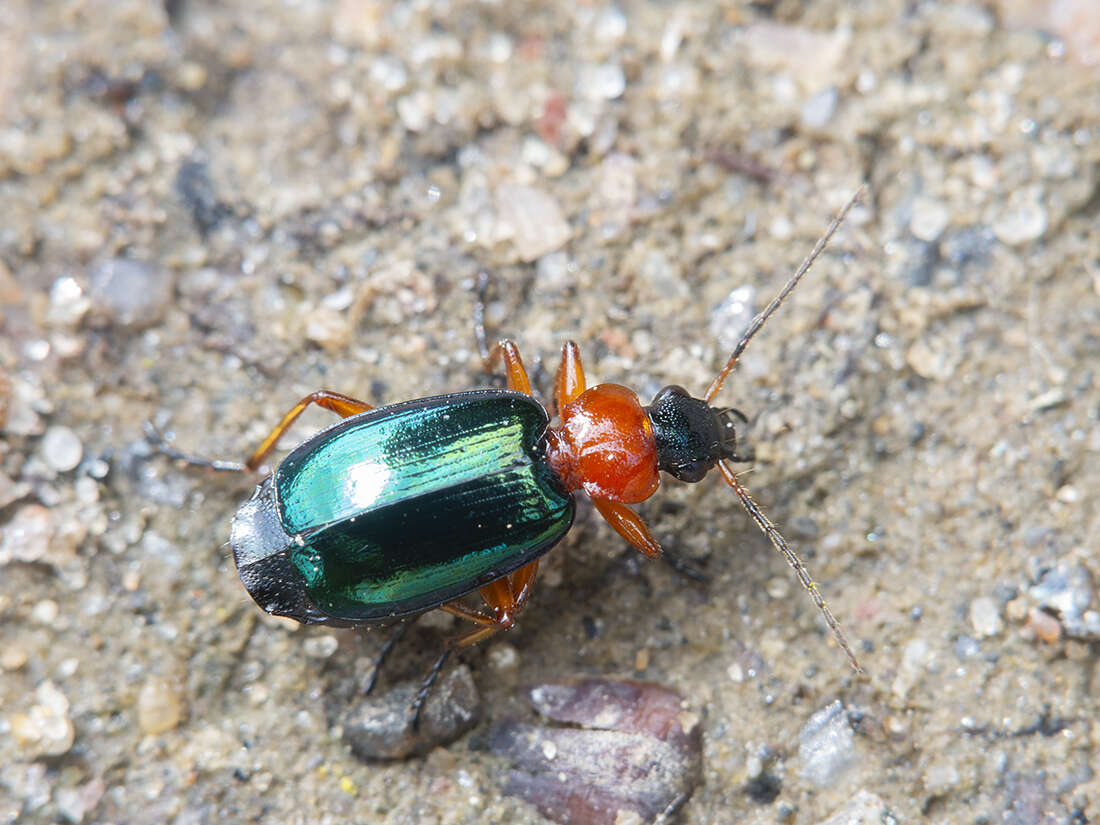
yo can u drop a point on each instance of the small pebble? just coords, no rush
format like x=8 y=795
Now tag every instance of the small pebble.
x=130 y=293
x=605 y=81
x=320 y=646
x=629 y=753
x=13 y=657
x=379 y=727
x=68 y=303
x=45 y=612
x=11 y=491
x=915 y=658
x=1020 y=222
x=985 y=616
x=328 y=328
x=535 y=219
x=826 y=746
x=1044 y=626
x=1067 y=589
x=928 y=220
x=24 y=405
x=820 y=108
x=74 y=804
x=730 y=319
x=941 y=776
x=61 y=449
x=931 y=361
x=45 y=730
x=159 y=707
x=27 y=536
x=778 y=587
x=865 y=808
x=503 y=656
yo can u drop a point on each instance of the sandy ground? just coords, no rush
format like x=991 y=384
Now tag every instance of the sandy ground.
x=211 y=209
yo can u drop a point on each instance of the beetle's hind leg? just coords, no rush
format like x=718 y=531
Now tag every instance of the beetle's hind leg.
x=160 y=442
x=343 y=405
x=380 y=658
x=505 y=598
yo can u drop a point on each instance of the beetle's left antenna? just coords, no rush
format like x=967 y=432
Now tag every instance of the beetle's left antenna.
x=780 y=544
x=762 y=318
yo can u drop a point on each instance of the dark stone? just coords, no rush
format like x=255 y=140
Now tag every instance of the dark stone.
x=381 y=727
x=637 y=755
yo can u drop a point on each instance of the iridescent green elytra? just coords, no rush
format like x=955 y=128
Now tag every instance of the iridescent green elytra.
x=401 y=509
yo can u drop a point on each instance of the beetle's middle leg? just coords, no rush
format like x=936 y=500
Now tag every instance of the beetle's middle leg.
x=504 y=598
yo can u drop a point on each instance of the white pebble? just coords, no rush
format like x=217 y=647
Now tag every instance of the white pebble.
x=985 y=616
x=928 y=219
x=819 y=109
x=1020 y=223
x=826 y=746
x=535 y=219
x=61 y=449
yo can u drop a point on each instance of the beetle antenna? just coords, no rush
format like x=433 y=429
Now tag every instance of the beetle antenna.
x=792 y=558
x=760 y=319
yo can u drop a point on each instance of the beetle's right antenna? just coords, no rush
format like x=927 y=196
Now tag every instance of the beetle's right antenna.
x=780 y=544
x=760 y=319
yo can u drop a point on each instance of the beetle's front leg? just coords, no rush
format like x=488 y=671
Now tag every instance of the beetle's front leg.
x=507 y=350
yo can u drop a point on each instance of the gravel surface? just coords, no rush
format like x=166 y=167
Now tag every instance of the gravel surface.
x=212 y=209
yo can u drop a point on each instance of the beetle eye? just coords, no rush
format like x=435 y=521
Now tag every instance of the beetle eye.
x=671 y=389
x=692 y=471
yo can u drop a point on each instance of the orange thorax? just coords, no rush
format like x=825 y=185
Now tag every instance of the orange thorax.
x=605 y=445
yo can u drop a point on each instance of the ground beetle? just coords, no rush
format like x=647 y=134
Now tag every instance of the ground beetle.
x=398 y=510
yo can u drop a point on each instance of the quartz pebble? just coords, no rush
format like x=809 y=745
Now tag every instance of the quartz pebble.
x=27 y=536
x=159 y=707
x=731 y=318
x=915 y=658
x=865 y=808
x=68 y=303
x=1068 y=591
x=132 y=294
x=1020 y=222
x=928 y=219
x=985 y=616
x=826 y=746
x=535 y=219
x=46 y=729
x=61 y=449
x=820 y=108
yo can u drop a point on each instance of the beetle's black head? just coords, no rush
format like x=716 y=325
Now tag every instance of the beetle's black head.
x=691 y=435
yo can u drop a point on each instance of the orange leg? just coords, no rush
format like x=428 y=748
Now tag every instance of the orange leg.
x=517 y=375
x=342 y=405
x=629 y=525
x=569 y=382
x=505 y=598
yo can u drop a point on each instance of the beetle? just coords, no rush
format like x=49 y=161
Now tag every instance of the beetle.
x=401 y=509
